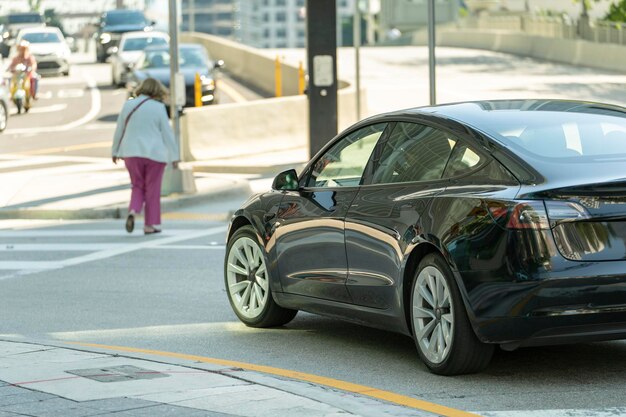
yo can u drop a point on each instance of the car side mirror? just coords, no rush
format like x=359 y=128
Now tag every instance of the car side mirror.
x=218 y=64
x=286 y=181
x=112 y=50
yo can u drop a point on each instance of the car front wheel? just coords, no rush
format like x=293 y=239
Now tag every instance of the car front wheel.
x=444 y=337
x=247 y=282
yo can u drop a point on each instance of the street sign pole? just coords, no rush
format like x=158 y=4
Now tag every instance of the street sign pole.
x=321 y=18
x=431 y=52
x=176 y=180
x=357 y=56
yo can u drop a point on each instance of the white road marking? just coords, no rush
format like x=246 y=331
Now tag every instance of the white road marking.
x=58 y=247
x=188 y=247
x=96 y=104
x=48 y=109
x=71 y=93
x=44 y=95
x=27 y=267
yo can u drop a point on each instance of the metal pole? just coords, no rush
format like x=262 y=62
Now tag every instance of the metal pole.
x=192 y=15
x=431 y=52
x=357 y=55
x=173 y=25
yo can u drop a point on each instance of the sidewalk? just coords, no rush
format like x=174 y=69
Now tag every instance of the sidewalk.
x=50 y=381
x=70 y=187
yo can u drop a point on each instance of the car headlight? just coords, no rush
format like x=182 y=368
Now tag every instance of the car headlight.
x=208 y=82
x=6 y=35
x=105 y=38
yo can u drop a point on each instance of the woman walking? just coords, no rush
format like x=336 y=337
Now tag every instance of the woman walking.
x=145 y=141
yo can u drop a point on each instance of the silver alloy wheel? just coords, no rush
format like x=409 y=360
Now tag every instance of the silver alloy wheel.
x=247 y=279
x=3 y=117
x=433 y=315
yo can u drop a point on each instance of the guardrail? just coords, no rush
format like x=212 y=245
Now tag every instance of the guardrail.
x=554 y=27
x=262 y=126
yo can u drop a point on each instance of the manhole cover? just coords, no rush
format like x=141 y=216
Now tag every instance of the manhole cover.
x=117 y=373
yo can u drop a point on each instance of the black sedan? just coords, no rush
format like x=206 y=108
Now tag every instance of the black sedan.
x=155 y=63
x=464 y=226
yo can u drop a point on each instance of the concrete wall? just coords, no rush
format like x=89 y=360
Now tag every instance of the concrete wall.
x=247 y=64
x=568 y=51
x=231 y=130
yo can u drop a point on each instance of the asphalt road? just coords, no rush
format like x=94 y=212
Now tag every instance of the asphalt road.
x=169 y=294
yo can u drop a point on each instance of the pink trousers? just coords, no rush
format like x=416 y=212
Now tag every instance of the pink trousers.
x=146 y=177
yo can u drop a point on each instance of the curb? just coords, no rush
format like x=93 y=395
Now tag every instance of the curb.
x=169 y=203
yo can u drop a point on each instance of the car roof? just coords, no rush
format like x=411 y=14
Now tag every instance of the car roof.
x=180 y=46
x=145 y=34
x=123 y=11
x=474 y=113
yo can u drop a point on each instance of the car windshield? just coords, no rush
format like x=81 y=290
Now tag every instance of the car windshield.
x=42 y=37
x=189 y=58
x=549 y=134
x=129 y=18
x=24 y=18
x=139 y=44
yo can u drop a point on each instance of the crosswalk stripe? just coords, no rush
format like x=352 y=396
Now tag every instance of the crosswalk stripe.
x=58 y=247
x=29 y=265
x=88 y=233
x=607 y=412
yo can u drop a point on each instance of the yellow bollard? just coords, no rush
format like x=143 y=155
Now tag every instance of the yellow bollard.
x=301 y=85
x=197 y=89
x=278 y=77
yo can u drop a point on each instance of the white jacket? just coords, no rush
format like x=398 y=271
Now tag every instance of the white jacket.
x=148 y=134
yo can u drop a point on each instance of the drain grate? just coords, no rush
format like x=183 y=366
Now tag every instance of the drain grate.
x=117 y=373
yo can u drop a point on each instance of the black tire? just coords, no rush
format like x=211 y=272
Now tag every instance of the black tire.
x=271 y=315
x=466 y=354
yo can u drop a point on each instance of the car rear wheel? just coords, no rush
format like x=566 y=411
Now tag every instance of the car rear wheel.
x=247 y=282
x=442 y=331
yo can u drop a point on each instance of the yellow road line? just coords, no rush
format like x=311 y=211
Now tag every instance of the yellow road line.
x=316 y=379
x=62 y=149
x=231 y=92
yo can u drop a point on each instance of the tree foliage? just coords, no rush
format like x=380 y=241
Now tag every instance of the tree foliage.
x=617 y=12
x=35 y=5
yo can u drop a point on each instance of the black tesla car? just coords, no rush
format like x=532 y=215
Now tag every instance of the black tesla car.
x=155 y=63
x=464 y=226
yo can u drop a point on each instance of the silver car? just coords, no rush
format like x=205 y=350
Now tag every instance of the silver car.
x=49 y=47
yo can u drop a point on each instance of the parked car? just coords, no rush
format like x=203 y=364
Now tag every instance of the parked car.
x=50 y=49
x=113 y=24
x=464 y=226
x=4 y=105
x=131 y=46
x=155 y=63
x=15 y=22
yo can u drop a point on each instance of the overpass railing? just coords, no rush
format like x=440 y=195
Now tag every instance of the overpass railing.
x=554 y=27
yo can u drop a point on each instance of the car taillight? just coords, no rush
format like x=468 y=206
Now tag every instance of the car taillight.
x=565 y=211
x=520 y=215
x=535 y=214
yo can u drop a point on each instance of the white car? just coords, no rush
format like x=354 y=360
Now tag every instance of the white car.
x=50 y=49
x=129 y=50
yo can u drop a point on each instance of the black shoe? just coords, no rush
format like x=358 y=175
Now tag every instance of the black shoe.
x=130 y=223
x=151 y=232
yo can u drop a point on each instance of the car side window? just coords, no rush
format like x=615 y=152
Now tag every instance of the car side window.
x=462 y=161
x=343 y=164
x=413 y=152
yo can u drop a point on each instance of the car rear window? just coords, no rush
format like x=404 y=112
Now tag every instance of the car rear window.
x=128 y=18
x=17 y=19
x=139 y=44
x=562 y=135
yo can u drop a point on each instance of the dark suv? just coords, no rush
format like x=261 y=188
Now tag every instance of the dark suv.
x=12 y=24
x=113 y=24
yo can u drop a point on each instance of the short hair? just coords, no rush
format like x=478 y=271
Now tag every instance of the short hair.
x=152 y=88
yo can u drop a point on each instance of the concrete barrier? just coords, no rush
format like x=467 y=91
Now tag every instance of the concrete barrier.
x=231 y=130
x=568 y=51
x=241 y=129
